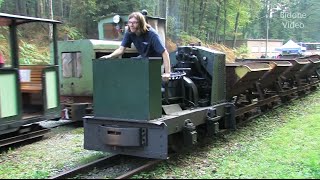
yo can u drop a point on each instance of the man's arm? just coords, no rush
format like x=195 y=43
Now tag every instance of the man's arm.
x=166 y=62
x=115 y=53
x=167 y=66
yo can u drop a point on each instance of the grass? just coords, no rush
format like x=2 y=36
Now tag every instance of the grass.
x=47 y=157
x=282 y=144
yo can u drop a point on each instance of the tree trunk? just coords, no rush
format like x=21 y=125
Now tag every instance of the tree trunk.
x=70 y=11
x=235 y=30
x=17 y=9
x=6 y=7
x=36 y=9
x=194 y=13
x=186 y=16
x=236 y=25
x=28 y=8
x=225 y=20
x=40 y=8
x=23 y=7
x=217 y=21
x=50 y=17
x=202 y=11
x=61 y=9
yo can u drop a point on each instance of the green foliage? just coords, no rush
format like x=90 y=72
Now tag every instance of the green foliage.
x=72 y=32
x=242 y=51
x=172 y=27
x=2 y=37
x=38 y=174
x=185 y=39
x=29 y=54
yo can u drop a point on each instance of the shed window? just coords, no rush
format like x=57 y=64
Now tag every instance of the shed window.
x=71 y=65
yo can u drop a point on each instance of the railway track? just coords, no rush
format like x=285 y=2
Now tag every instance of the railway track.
x=24 y=134
x=109 y=162
x=30 y=133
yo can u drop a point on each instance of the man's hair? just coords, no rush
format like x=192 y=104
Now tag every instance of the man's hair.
x=142 y=24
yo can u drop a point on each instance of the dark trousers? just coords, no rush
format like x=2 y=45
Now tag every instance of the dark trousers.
x=1 y=65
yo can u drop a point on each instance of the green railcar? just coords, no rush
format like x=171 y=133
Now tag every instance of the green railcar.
x=28 y=93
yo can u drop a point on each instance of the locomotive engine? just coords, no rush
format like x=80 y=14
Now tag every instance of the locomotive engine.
x=191 y=80
x=137 y=114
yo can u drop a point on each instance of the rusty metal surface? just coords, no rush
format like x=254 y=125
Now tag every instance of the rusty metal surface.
x=237 y=85
x=297 y=65
x=270 y=77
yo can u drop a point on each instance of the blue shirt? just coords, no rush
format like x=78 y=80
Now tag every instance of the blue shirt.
x=148 y=44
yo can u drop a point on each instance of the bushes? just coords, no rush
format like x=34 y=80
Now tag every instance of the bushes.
x=31 y=54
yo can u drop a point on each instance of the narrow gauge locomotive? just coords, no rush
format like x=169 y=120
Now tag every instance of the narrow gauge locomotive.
x=28 y=93
x=136 y=114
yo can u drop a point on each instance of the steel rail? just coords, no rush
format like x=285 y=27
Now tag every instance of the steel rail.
x=23 y=137
x=142 y=168
x=106 y=161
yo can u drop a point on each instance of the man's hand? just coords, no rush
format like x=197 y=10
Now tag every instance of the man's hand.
x=165 y=77
x=105 y=57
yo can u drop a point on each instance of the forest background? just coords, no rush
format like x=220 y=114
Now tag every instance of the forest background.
x=210 y=21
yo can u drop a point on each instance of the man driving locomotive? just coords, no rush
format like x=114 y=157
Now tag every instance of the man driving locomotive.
x=146 y=40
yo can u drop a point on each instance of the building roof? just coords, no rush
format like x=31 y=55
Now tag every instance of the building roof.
x=291 y=46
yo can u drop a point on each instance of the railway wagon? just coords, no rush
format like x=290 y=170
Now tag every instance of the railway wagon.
x=137 y=114
x=75 y=62
x=28 y=93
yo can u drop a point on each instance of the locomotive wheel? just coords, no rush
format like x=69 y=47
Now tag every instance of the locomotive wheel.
x=175 y=142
